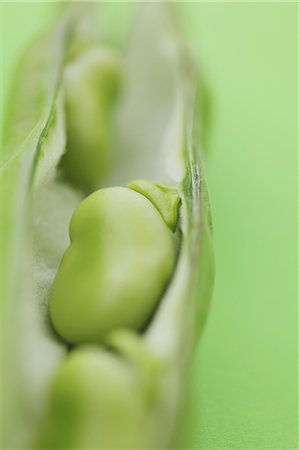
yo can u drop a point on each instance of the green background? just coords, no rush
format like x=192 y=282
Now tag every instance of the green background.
x=244 y=385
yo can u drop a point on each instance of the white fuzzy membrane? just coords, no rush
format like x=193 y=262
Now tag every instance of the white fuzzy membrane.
x=54 y=205
x=148 y=122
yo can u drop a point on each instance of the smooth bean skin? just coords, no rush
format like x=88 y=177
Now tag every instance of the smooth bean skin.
x=91 y=88
x=112 y=275
x=94 y=402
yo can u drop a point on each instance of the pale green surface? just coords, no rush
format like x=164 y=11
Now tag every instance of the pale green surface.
x=244 y=390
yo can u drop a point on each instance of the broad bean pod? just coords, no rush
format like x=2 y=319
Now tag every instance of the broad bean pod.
x=108 y=261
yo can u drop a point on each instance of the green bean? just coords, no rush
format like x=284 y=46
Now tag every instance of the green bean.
x=88 y=122
x=115 y=270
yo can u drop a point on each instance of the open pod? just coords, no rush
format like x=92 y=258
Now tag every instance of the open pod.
x=89 y=114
